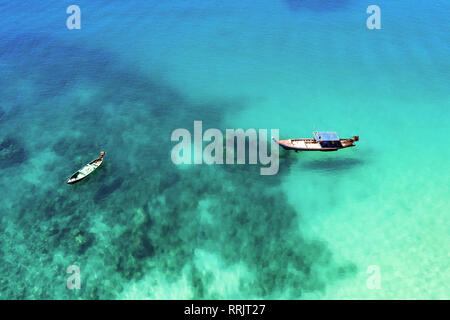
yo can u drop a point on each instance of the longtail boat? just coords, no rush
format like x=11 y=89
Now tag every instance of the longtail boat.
x=86 y=170
x=322 y=141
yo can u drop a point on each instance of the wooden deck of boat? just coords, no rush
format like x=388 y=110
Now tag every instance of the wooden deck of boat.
x=305 y=144
x=86 y=170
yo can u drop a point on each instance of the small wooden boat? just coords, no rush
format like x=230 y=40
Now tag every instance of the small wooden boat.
x=86 y=170
x=323 y=141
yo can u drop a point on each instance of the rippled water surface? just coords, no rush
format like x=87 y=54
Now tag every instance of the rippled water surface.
x=141 y=227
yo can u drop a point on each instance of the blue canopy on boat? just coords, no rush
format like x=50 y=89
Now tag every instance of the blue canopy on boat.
x=326 y=136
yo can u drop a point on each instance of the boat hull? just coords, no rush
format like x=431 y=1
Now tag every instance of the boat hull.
x=312 y=145
x=84 y=172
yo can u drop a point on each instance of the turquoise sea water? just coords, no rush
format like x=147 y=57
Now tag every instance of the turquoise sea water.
x=143 y=228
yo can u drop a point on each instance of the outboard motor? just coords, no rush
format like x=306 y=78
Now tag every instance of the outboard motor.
x=355 y=138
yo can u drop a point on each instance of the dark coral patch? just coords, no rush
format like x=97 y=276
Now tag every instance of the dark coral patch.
x=12 y=153
x=153 y=213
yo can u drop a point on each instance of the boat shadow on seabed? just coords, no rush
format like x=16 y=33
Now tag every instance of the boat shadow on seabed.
x=332 y=164
x=101 y=181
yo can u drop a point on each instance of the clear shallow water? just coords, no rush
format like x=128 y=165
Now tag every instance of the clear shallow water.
x=143 y=228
